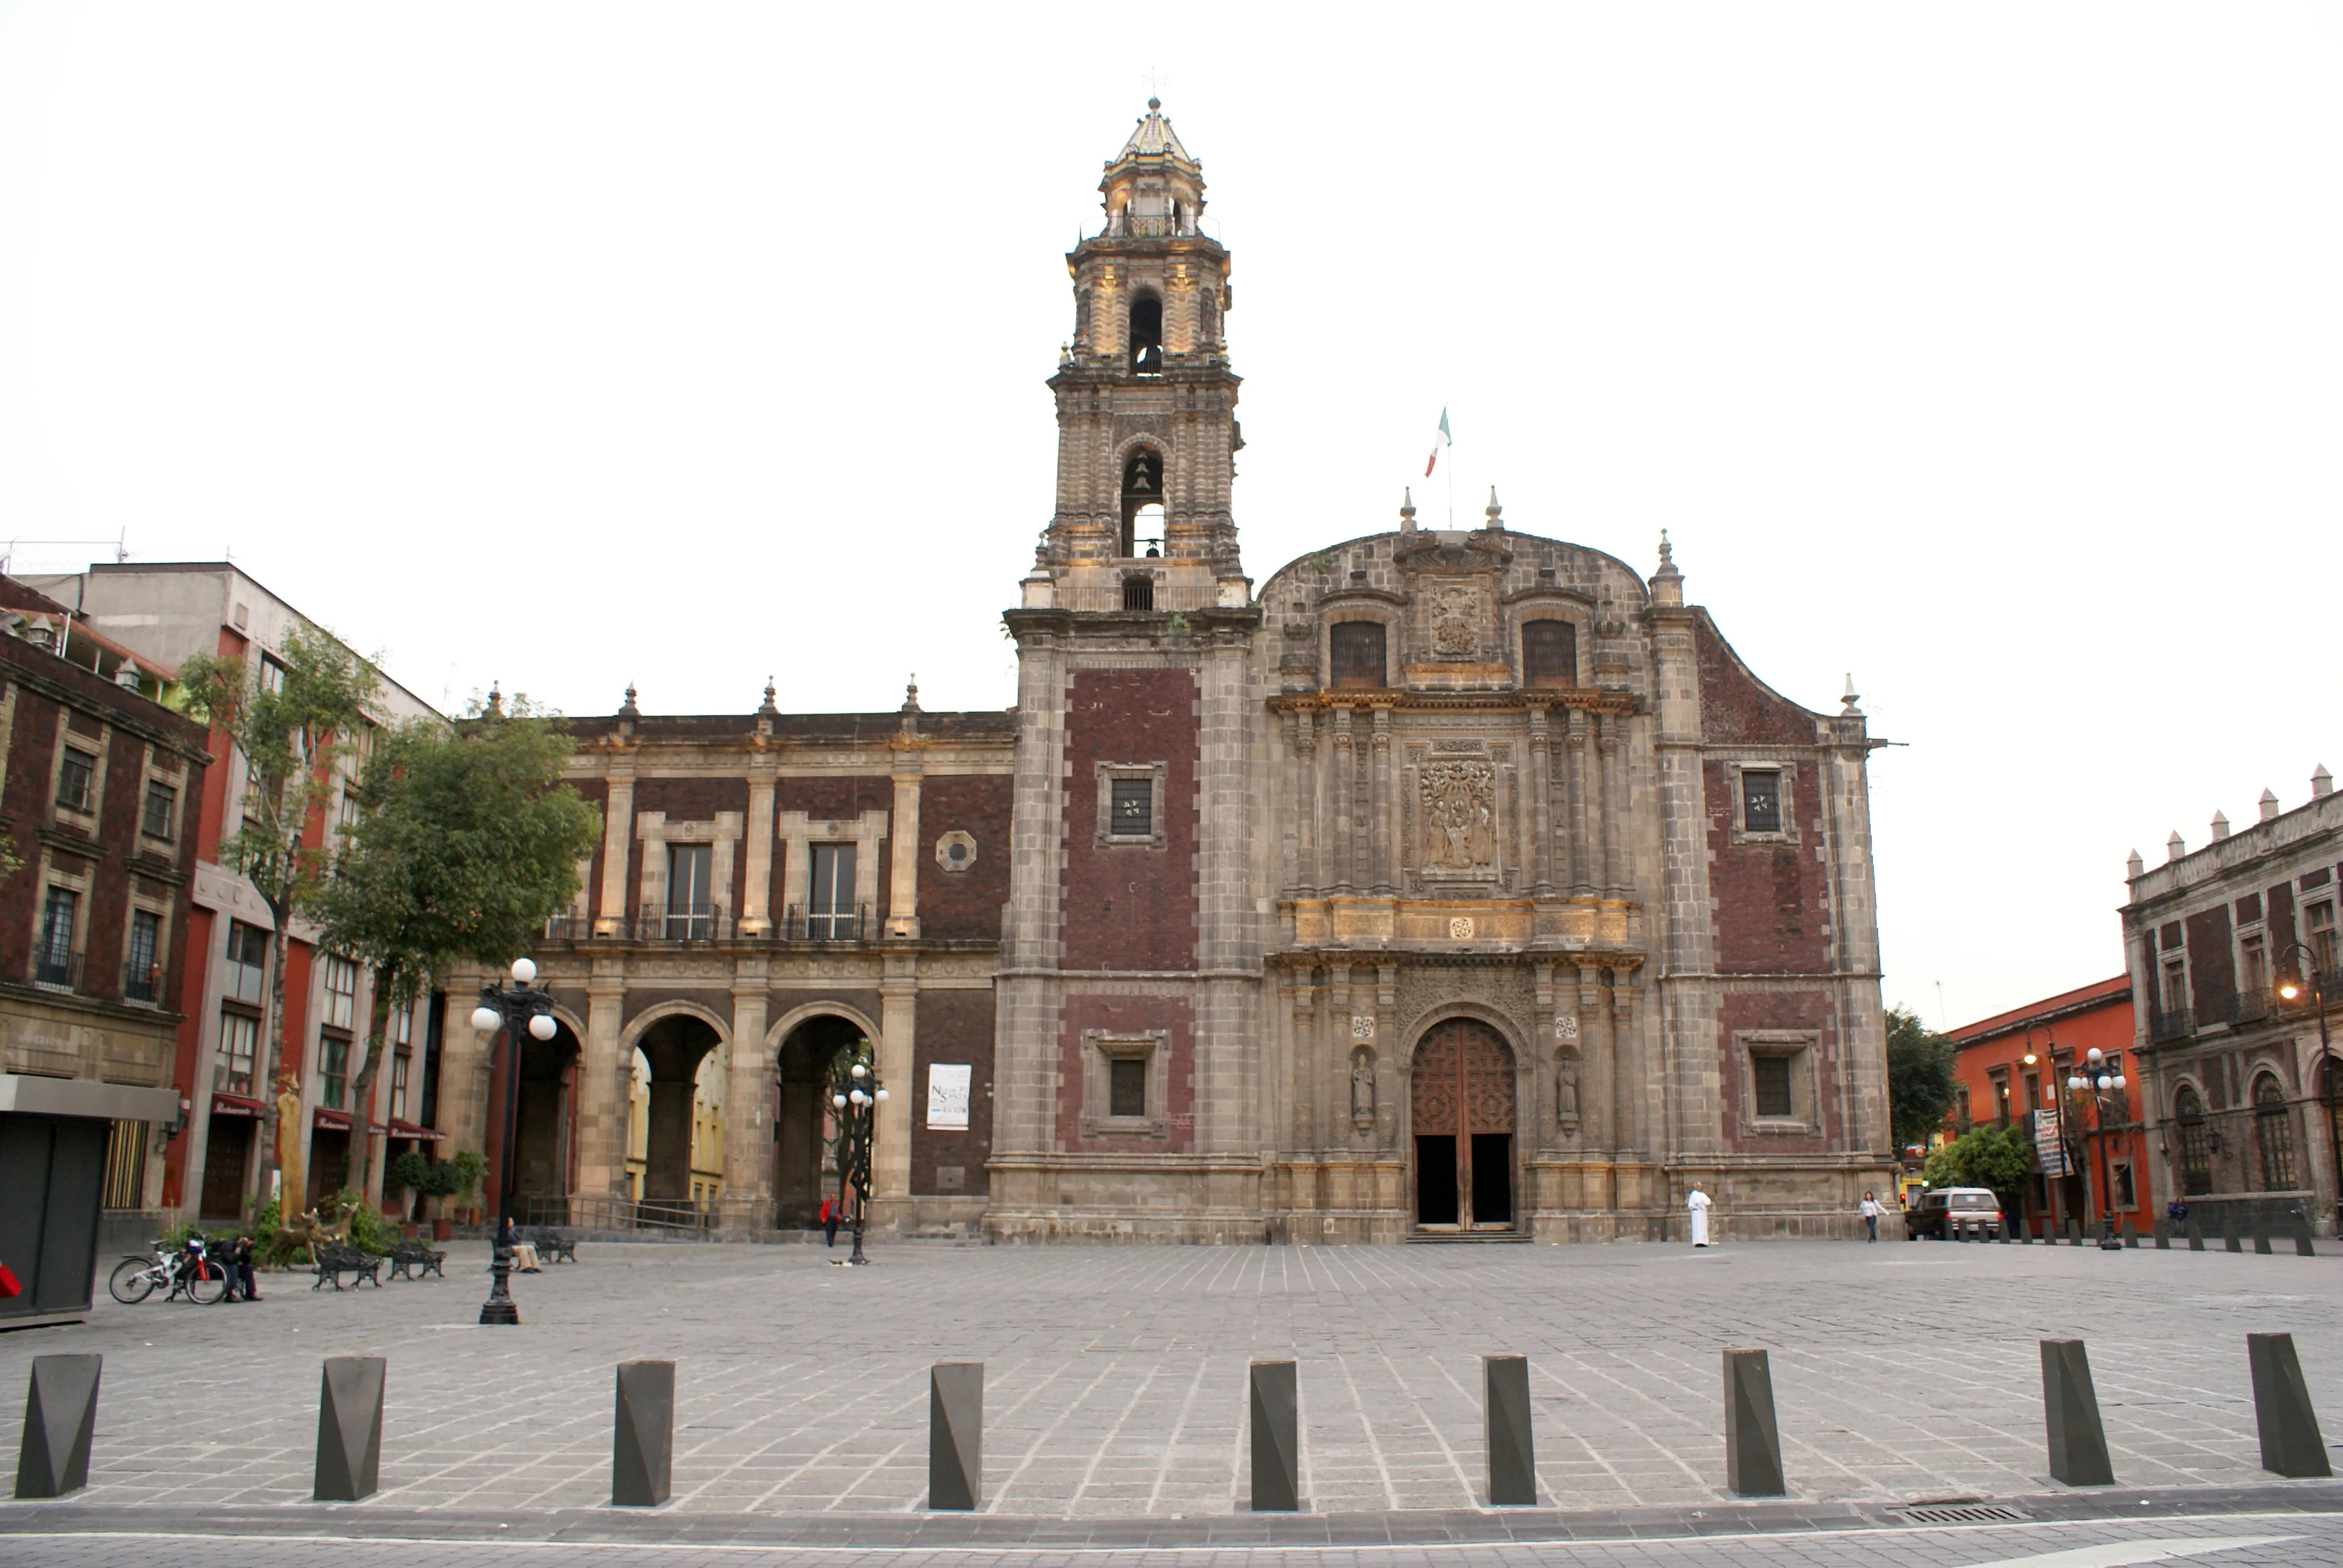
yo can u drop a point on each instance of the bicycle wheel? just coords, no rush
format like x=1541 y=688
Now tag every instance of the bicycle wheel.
x=132 y=1280
x=206 y=1283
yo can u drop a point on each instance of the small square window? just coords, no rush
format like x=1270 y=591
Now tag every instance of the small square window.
x=1131 y=812
x=1761 y=801
x=1770 y=1085
x=1127 y=1086
x=75 y=774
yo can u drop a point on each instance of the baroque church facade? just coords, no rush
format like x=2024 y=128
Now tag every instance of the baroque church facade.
x=1451 y=883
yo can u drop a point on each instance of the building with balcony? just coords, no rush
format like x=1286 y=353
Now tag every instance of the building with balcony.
x=2243 y=1079
x=169 y=612
x=2011 y=1069
x=96 y=861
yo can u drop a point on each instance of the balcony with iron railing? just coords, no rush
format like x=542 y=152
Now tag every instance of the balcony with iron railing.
x=55 y=969
x=2249 y=1007
x=2163 y=1026
x=142 y=982
x=852 y=923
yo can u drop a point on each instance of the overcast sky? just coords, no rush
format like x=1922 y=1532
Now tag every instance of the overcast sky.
x=1990 y=353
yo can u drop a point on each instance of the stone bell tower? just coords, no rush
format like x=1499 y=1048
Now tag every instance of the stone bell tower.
x=1147 y=430
x=1128 y=994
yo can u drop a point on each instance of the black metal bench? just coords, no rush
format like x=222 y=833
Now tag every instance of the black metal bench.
x=412 y=1260
x=335 y=1260
x=552 y=1247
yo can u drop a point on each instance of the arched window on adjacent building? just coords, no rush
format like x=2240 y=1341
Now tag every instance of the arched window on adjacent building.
x=1142 y=502
x=2196 y=1143
x=2274 y=1134
x=1358 y=650
x=1147 y=335
x=1549 y=653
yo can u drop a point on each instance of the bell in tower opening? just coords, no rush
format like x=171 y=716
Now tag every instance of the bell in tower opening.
x=1142 y=502
x=1147 y=335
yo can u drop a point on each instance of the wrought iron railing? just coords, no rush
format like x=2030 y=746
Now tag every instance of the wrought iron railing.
x=676 y=1216
x=2175 y=1025
x=141 y=982
x=53 y=968
x=851 y=923
x=2251 y=1006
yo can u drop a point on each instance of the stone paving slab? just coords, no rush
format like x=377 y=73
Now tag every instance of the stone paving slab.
x=1115 y=1376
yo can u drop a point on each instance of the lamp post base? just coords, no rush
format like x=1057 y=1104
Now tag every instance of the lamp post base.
x=500 y=1307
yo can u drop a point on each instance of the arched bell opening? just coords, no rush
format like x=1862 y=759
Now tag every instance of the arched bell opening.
x=1142 y=503
x=1460 y=1119
x=800 y=1122
x=544 y=1129
x=678 y=1078
x=1147 y=335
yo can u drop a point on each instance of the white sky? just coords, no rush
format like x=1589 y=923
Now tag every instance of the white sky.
x=1987 y=352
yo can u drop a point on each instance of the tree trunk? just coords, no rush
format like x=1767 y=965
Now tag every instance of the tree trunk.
x=273 y=1035
x=362 y=1087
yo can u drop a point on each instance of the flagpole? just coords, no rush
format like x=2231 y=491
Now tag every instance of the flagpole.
x=1452 y=486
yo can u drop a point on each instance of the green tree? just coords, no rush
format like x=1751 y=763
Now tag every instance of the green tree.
x=293 y=721
x=464 y=843
x=1920 y=1087
x=1986 y=1155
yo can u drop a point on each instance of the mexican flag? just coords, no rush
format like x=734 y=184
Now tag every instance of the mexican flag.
x=1443 y=440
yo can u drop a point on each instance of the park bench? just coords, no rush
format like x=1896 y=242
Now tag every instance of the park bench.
x=413 y=1260
x=334 y=1261
x=552 y=1247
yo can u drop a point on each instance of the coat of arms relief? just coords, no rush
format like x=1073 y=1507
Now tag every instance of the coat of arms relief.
x=1459 y=800
x=1455 y=621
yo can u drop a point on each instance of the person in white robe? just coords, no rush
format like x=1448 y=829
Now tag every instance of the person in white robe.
x=1698 y=1205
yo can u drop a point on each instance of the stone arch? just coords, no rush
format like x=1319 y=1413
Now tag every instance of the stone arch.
x=2191 y=1148
x=638 y=1026
x=545 y=1130
x=1464 y=1121
x=673 y=1038
x=800 y=1048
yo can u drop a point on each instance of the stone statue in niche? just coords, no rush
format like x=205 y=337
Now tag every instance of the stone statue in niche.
x=1363 y=1088
x=1460 y=816
x=1566 y=1087
x=1455 y=622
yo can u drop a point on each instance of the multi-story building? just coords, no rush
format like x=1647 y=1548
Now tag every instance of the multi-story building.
x=2091 y=1147
x=2243 y=1079
x=170 y=612
x=1458 y=881
x=96 y=858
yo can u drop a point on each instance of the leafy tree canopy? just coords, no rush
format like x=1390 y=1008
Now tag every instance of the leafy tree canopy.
x=1987 y=1156
x=1920 y=1087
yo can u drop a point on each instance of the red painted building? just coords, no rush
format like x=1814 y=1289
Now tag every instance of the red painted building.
x=2012 y=1068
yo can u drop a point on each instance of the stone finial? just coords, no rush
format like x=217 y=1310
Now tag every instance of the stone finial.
x=767 y=707
x=1667 y=583
x=496 y=706
x=2220 y=825
x=1495 y=511
x=628 y=710
x=2174 y=847
x=911 y=695
x=1667 y=552
x=2134 y=867
x=1407 y=510
x=2322 y=783
x=1065 y=353
x=2269 y=805
x=1848 y=699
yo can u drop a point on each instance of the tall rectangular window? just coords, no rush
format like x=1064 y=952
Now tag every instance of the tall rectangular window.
x=1770 y=1083
x=248 y=963
x=54 y=961
x=400 y=1065
x=2176 y=987
x=238 y=1042
x=1127 y=1086
x=1131 y=812
x=2319 y=918
x=832 y=915
x=689 y=916
x=162 y=808
x=142 y=972
x=1761 y=800
x=76 y=773
x=2253 y=965
x=334 y=1068
x=341 y=992
x=1550 y=653
x=1358 y=654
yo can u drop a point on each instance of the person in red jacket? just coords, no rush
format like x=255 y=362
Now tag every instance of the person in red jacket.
x=829 y=1221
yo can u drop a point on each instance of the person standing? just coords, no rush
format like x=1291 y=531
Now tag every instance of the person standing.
x=829 y=1221
x=1871 y=1211
x=1698 y=1205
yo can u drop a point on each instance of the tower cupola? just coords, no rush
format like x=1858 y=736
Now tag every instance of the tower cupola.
x=1152 y=187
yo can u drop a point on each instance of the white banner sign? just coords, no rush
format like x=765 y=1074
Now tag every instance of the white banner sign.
x=2047 y=1150
x=947 y=1093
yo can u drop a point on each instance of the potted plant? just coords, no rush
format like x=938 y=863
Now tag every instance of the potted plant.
x=410 y=1173
x=468 y=1166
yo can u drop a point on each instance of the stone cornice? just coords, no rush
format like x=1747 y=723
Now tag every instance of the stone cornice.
x=1583 y=699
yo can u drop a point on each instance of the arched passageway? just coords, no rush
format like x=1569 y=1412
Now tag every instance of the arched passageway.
x=544 y=1132
x=673 y=1049
x=801 y=1115
x=1461 y=1112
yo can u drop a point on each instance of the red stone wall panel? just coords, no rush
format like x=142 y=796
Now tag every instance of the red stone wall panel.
x=1802 y=1010
x=2212 y=969
x=595 y=793
x=955 y=1026
x=1130 y=906
x=831 y=800
x=1129 y=1015
x=964 y=904
x=1772 y=898
x=1735 y=706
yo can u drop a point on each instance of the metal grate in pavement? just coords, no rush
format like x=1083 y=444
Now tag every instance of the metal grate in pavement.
x=1961 y=1513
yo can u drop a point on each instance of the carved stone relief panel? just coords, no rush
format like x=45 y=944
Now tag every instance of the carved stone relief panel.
x=1505 y=991
x=1456 y=620
x=1457 y=798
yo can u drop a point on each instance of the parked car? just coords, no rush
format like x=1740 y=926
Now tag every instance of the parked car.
x=1950 y=1212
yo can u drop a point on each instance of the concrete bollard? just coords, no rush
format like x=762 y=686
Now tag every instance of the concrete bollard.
x=2291 y=1445
x=1753 y=1442
x=2073 y=1231
x=2070 y=1408
x=349 y=1430
x=2130 y=1236
x=2302 y=1247
x=955 y=1435
x=2196 y=1235
x=1506 y=1406
x=2229 y=1237
x=1276 y=1438
x=60 y=1416
x=642 y=1446
x=2163 y=1236
x=2261 y=1240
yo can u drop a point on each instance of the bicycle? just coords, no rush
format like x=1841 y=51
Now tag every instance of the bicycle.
x=189 y=1272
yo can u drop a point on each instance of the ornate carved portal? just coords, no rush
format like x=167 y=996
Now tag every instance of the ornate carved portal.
x=1461 y=1111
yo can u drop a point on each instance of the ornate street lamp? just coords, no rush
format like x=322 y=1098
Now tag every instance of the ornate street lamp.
x=2291 y=988
x=518 y=1007
x=2100 y=1083
x=855 y=1100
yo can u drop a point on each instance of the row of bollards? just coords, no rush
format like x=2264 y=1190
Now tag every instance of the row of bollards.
x=61 y=1419
x=2193 y=1232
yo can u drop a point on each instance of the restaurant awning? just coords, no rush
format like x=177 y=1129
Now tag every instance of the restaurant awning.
x=235 y=1105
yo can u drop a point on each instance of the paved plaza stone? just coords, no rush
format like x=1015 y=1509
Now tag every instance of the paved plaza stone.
x=1115 y=1378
